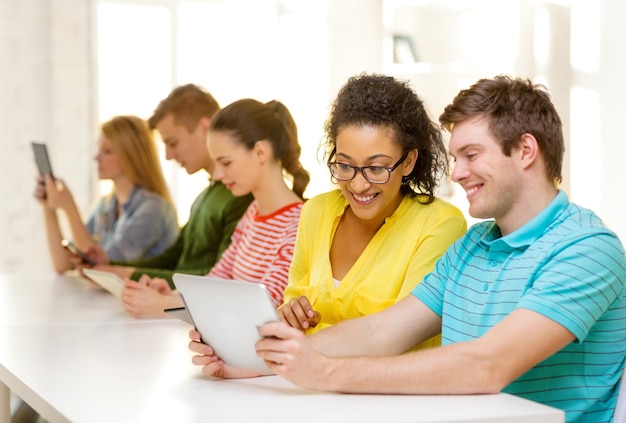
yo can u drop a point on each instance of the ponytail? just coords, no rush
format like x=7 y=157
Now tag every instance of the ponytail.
x=289 y=154
x=250 y=121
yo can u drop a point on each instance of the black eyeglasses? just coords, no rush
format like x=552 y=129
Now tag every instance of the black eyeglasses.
x=373 y=174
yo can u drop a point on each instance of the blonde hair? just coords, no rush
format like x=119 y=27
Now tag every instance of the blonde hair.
x=134 y=146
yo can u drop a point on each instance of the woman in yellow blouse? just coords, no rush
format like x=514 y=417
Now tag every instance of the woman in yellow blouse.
x=364 y=246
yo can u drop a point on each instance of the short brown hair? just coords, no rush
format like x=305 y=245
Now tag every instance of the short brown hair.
x=513 y=107
x=188 y=103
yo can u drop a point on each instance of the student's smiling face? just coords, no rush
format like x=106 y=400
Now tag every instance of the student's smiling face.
x=491 y=180
x=372 y=146
x=238 y=168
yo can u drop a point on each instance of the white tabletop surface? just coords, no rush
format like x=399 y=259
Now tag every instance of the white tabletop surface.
x=69 y=349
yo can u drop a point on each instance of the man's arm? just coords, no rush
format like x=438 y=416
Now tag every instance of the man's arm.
x=486 y=365
x=391 y=331
x=376 y=334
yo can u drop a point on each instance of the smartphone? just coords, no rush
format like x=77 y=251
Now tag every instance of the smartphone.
x=42 y=159
x=74 y=249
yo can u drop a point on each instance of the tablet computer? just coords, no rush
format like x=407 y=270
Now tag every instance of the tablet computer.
x=107 y=280
x=179 y=313
x=228 y=314
x=42 y=159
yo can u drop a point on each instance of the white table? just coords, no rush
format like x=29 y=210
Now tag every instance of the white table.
x=72 y=353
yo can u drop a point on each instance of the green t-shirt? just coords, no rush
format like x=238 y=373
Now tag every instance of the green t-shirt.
x=207 y=234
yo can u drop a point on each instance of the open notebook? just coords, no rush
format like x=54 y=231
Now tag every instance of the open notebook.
x=107 y=280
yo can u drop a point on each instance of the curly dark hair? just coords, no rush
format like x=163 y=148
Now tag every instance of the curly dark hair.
x=383 y=101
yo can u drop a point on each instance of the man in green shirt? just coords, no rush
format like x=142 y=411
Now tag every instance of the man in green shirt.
x=182 y=119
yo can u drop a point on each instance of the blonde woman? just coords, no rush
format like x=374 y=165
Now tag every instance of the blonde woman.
x=136 y=220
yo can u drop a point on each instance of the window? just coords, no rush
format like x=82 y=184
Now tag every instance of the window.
x=275 y=50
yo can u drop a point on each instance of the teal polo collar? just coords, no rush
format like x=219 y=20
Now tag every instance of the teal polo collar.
x=530 y=231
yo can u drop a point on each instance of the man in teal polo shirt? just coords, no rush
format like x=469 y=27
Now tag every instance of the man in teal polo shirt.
x=530 y=302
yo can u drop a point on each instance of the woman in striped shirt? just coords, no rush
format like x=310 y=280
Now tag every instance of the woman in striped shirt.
x=253 y=145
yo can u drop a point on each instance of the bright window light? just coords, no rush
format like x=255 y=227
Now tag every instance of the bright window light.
x=134 y=67
x=585 y=150
x=541 y=37
x=585 y=52
x=272 y=51
x=133 y=44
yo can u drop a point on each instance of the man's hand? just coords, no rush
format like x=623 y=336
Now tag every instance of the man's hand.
x=160 y=285
x=140 y=300
x=288 y=353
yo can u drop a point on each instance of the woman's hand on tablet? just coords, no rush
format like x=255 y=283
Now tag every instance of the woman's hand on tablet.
x=298 y=313
x=211 y=364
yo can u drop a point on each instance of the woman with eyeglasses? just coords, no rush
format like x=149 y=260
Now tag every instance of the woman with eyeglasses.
x=364 y=246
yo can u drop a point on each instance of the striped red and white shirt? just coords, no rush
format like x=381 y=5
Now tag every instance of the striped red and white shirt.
x=261 y=249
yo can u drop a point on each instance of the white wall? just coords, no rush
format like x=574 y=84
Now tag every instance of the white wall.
x=46 y=81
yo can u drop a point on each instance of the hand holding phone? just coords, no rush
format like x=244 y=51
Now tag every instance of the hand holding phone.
x=69 y=245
